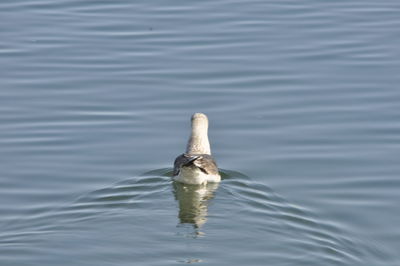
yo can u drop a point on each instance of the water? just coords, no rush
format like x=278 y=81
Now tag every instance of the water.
x=302 y=98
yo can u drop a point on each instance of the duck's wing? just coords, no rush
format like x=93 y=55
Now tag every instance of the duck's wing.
x=183 y=160
x=204 y=162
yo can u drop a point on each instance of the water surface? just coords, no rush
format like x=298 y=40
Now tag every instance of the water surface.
x=302 y=97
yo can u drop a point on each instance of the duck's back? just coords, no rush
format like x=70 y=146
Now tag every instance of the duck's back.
x=196 y=169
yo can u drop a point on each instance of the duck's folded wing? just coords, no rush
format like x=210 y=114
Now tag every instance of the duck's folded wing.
x=203 y=161
x=206 y=164
x=183 y=160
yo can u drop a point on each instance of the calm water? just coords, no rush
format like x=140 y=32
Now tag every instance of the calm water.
x=303 y=100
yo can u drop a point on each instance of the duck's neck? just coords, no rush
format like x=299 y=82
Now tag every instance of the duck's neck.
x=198 y=142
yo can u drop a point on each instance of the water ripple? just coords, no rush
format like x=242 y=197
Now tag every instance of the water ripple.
x=262 y=210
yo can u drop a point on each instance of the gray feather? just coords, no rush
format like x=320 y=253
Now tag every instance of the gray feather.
x=204 y=162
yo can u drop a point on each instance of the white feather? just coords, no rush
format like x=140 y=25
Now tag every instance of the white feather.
x=194 y=176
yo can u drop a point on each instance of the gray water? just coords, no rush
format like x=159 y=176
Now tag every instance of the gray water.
x=303 y=102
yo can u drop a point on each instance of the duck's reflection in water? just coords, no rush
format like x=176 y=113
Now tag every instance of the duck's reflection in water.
x=193 y=202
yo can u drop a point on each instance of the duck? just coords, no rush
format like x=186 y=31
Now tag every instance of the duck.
x=197 y=166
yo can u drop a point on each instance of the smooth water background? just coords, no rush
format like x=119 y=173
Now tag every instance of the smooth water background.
x=303 y=101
